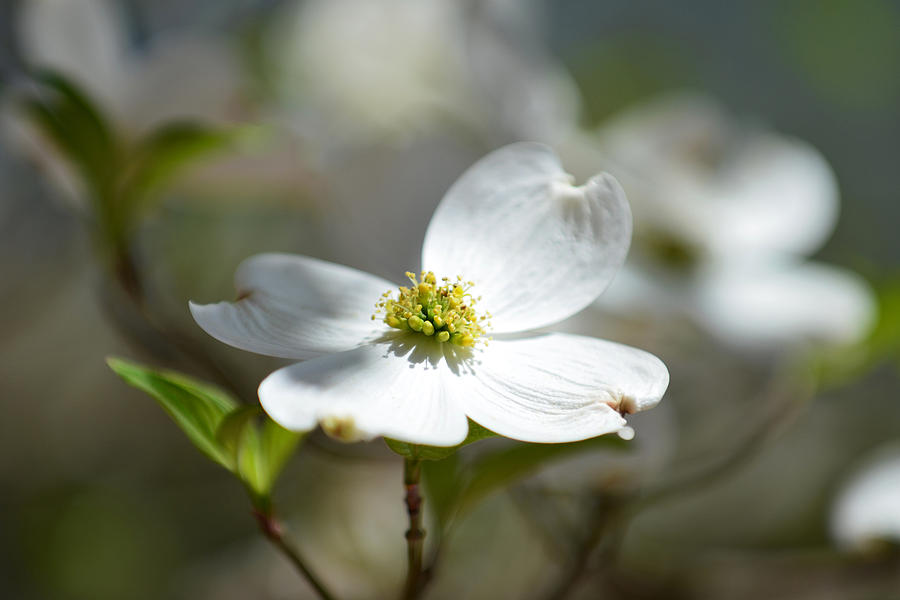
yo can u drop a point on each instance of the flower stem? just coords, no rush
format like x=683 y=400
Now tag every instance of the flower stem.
x=415 y=535
x=274 y=532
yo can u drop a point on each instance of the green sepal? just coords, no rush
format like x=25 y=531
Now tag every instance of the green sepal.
x=196 y=407
x=423 y=452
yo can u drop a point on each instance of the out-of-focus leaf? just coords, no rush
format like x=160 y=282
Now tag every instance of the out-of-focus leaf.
x=70 y=120
x=163 y=154
x=442 y=480
x=494 y=471
x=422 y=452
x=454 y=487
x=197 y=408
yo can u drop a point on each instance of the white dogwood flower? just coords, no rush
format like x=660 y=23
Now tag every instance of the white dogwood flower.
x=390 y=69
x=725 y=216
x=512 y=247
x=867 y=510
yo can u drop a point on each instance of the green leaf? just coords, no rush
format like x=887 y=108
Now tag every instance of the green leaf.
x=423 y=452
x=234 y=427
x=164 y=154
x=259 y=450
x=197 y=408
x=498 y=469
x=70 y=120
x=277 y=445
x=239 y=438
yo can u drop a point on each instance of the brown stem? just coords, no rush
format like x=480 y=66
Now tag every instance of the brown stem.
x=415 y=535
x=787 y=402
x=272 y=529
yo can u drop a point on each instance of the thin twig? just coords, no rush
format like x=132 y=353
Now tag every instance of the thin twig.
x=272 y=529
x=786 y=405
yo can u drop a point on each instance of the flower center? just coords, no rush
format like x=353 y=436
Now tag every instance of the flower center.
x=445 y=312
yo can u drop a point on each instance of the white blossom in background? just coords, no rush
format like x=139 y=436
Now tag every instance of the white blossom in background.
x=522 y=248
x=354 y=71
x=726 y=214
x=867 y=509
x=391 y=100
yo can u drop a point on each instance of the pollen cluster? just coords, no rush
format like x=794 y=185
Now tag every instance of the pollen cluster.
x=445 y=312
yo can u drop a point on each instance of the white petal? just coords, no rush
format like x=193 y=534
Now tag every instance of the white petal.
x=780 y=304
x=693 y=170
x=776 y=195
x=558 y=387
x=296 y=307
x=391 y=388
x=83 y=39
x=537 y=248
x=868 y=509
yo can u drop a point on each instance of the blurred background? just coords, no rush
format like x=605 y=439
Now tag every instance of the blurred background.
x=150 y=146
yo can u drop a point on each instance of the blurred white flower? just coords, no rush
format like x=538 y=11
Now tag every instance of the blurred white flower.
x=725 y=215
x=538 y=250
x=373 y=69
x=867 y=510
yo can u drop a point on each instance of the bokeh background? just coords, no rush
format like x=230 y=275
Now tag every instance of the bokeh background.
x=101 y=497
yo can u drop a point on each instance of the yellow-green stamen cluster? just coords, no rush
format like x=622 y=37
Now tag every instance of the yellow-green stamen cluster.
x=445 y=312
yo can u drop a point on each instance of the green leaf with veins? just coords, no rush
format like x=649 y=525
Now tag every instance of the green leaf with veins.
x=197 y=408
x=239 y=438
